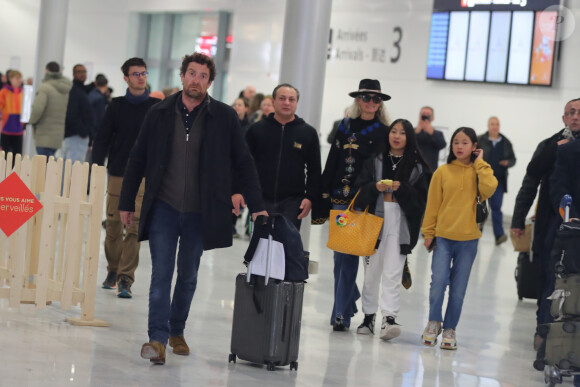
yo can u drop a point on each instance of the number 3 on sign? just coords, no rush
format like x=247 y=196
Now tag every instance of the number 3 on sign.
x=396 y=44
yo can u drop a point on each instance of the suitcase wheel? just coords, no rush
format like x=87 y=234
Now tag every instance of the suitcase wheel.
x=552 y=376
x=232 y=358
x=564 y=364
x=294 y=365
x=539 y=364
x=271 y=366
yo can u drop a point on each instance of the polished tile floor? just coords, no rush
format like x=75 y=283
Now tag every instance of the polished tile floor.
x=37 y=348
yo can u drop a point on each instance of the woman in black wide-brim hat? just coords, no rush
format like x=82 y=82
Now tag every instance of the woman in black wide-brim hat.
x=360 y=135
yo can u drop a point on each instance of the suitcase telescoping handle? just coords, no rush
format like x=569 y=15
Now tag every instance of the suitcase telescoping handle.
x=263 y=220
x=565 y=205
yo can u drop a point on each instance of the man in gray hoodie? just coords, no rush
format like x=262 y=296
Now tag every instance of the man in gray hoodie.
x=49 y=110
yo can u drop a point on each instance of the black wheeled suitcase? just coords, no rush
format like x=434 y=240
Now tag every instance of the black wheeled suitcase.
x=268 y=311
x=562 y=344
x=267 y=318
x=527 y=275
x=566 y=249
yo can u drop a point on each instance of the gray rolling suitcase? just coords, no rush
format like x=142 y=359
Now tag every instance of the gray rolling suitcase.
x=566 y=298
x=562 y=344
x=267 y=318
x=562 y=351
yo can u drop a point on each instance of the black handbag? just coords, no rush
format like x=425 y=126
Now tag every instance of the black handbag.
x=481 y=209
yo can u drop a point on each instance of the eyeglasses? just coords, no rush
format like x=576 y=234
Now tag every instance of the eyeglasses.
x=136 y=74
x=572 y=113
x=368 y=98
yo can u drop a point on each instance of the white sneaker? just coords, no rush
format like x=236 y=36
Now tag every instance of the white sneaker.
x=368 y=325
x=431 y=332
x=449 y=341
x=389 y=328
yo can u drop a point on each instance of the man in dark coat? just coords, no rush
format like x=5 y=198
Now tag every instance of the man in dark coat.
x=287 y=156
x=429 y=139
x=116 y=136
x=566 y=176
x=538 y=173
x=188 y=148
x=80 y=120
x=499 y=153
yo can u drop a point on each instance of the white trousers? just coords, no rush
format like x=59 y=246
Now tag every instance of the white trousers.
x=386 y=264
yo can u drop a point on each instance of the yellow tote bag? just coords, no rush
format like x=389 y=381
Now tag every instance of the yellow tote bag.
x=353 y=232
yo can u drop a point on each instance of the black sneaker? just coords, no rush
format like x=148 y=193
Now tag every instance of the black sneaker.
x=368 y=325
x=124 y=287
x=389 y=328
x=111 y=281
x=339 y=325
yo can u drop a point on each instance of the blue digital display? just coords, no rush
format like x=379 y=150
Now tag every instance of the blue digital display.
x=438 y=45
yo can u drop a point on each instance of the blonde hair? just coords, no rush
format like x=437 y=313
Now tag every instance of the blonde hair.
x=269 y=96
x=14 y=73
x=382 y=114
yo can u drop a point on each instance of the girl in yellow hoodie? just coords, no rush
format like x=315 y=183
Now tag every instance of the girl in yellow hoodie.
x=449 y=222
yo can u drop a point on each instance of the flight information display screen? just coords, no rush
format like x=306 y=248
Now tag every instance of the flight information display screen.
x=493 y=41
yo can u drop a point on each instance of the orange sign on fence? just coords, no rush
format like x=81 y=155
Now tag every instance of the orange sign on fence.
x=17 y=204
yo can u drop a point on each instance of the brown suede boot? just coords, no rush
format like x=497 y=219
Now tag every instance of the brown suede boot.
x=154 y=351
x=179 y=345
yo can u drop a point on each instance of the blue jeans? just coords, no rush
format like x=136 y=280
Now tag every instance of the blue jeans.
x=45 y=151
x=345 y=288
x=168 y=227
x=495 y=202
x=451 y=265
x=75 y=148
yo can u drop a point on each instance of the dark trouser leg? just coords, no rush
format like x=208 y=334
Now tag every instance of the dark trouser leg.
x=188 y=259
x=495 y=202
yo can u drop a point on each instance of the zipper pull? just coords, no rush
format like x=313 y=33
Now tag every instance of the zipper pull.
x=187 y=137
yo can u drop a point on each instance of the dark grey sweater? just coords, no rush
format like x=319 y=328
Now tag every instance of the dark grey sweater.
x=180 y=186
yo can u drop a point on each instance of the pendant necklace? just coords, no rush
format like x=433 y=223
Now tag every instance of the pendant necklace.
x=397 y=157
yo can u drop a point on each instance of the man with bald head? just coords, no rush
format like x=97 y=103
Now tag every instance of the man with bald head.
x=566 y=176
x=538 y=173
x=499 y=153
x=248 y=93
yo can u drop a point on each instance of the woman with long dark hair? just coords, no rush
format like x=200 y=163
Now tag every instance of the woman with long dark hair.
x=449 y=222
x=393 y=185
